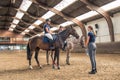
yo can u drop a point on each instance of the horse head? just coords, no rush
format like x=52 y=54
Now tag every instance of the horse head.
x=73 y=32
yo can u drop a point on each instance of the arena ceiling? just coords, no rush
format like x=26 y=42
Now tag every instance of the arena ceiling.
x=26 y=17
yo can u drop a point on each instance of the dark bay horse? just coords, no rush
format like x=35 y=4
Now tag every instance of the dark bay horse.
x=36 y=43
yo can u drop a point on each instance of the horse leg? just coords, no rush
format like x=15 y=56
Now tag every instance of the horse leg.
x=30 y=66
x=57 y=51
x=55 y=56
x=47 y=57
x=36 y=58
x=67 y=57
x=51 y=55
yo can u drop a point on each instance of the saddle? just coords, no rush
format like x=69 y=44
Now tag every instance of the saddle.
x=47 y=40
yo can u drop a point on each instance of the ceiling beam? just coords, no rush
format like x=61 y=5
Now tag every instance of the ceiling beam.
x=34 y=32
x=37 y=26
x=18 y=26
x=104 y=14
x=4 y=33
x=21 y=31
x=17 y=30
x=29 y=34
x=24 y=28
x=79 y=23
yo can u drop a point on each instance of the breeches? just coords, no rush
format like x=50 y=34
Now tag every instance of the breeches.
x=48 y=35
x=92 y=53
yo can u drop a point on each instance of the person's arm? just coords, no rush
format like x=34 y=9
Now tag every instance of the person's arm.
x=87 y=41
x=48 y=30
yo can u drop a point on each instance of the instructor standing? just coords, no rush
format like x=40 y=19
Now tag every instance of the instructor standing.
x=90 y=43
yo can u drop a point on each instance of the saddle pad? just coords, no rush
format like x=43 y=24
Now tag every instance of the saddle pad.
x=45 y=39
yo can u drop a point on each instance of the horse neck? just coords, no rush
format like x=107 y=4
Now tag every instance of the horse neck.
x=64 y=34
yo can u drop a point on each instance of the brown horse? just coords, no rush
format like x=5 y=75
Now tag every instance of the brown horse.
x=36 y=43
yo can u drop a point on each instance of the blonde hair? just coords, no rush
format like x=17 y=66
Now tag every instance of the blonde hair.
x=91 y=28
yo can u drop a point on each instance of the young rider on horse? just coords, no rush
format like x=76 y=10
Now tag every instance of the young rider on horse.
x=48 y=33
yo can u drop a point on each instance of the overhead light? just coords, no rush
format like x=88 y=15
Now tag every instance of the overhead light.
x=87 y=15
x=25 y=5
x=111 y=5
x=15 y=21
x=38 y=22
x=31 y=27
x=66 y=23
x=23 y=33
x=19 y=14
x=54 y=28
x=10 y=29
x=48 y=15
x=63 y=4
x=13 y=26
x=27 y=30
x=40 y=34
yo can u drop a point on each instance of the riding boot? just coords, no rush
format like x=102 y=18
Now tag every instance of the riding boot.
x=51 y=44
x=93 y=71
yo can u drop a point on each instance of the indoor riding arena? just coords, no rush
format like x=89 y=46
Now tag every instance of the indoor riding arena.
x=59 y=39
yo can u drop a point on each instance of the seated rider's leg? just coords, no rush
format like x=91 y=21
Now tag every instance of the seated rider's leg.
x=50 y=40
x=51 y=44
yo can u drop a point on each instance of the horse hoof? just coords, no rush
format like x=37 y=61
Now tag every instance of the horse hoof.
x=68 y=63
x=40 y=67
x=58 y=68
x=30 y=67
x=48 y=64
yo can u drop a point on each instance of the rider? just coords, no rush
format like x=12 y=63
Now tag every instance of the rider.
x=48 y=32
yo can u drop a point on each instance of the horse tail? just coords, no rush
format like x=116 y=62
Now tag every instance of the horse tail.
x=28 y=52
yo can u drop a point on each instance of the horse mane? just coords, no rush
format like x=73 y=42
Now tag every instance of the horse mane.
x=64 y=31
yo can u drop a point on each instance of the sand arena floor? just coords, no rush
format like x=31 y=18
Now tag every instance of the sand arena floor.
x=14 y=66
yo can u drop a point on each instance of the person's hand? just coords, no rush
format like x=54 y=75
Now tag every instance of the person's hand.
x=85 y=46
x=50 y=32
